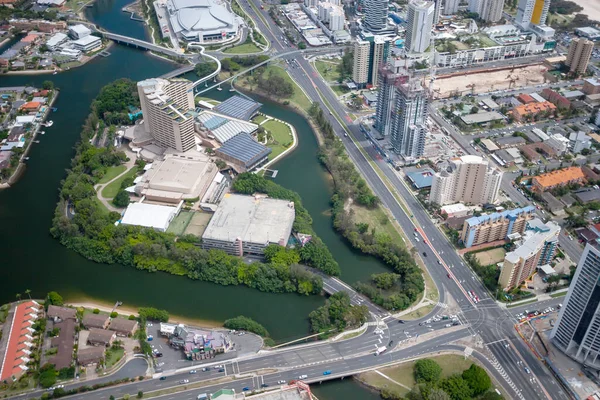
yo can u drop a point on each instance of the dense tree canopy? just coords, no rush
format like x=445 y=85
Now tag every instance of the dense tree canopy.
x=337 y=314
x=242 y=323
x=427 y=370
x=477 y=379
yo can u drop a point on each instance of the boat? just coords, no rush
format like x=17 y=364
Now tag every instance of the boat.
x=232 y=90
x=54 y=109
x=49 y=123
x=26 y=158
x=55 y=72
x=219 y=88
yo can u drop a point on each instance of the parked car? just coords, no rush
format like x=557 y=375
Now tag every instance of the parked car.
x=281 y=382
x=328 y=372
x=163 y=378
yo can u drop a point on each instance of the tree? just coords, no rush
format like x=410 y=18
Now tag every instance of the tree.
x=474 y=110
x=96 y=311
x=242 y=323
x=385 y=280
x=121 y=199
x=18 y=296
x=302 y=45
x=114 y=314
x=477 y=379
x=47 y=85
x=427 y=370
x=457 y=388
x=205 y=69
x=53 y=298
x=140 y=394
x=28 y=293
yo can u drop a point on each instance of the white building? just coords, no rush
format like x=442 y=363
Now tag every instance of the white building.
x=579 y=141
x=202 y=20
x=56 y=40
x=488 y=10
x=360 y=70
x=532 y=12
x=451 y=7
x=468 y=179
x=558 y=142
x=87 y=43
x=150 y=215
x=419 y=25
x=79 y=31
x=337 y=20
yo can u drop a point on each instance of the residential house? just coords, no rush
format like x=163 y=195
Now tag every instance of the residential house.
x=99 y=321
x=58 y=314
x=31 y=106
x=531 y=110
x=90 y=356
x=64 y=344
x=101 y=337
x=123 y=327
x=560 y=177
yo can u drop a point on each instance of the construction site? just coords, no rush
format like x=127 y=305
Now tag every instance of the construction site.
x=487 y=80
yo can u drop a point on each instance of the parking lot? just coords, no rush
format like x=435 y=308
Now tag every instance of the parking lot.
x=173 y=359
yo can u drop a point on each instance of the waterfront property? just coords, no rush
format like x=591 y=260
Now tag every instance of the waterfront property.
x=90 y=356
x=150 y=215
x=123 y=327
x=248 y=224
x=238 y=107
x=19 y=340
x=243 y=152
x=99 y=321
x=101 y=337
x=196 y=343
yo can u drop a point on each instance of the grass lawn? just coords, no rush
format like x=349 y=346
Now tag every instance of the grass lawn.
x=112 y=172
x=560 y=294
x=180 y=223
x=245 y=48
x=419 y=312
x=491 y=256
x=258 y=119
x=280 y=137
x=328 y=70
x=71 y=64
x=298 y=98
x=451 y=364
x=112 y=356
x=111 y=190
x=209 y=100
x=101 y=205
x=378 y=381
x=340 y=89
x=522 y=303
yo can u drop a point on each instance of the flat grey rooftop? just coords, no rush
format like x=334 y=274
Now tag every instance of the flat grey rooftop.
x=252 y=219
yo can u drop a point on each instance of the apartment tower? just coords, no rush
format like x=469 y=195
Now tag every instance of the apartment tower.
x=580 y=51
x=532 y=12
x=488 y=10
x=496 y=226
x=451 y=7
x=166 y=106
x=376 y=15
x=409 y=118
x=468 y=179
x=419 y=23
x=360 y=70
x=577 y=330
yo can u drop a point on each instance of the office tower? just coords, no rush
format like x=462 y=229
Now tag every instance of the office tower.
x=468 y=179
x=488 y=10
x=380 y=48
x=409 y=118
x=418 y=26
x=437 y=11
x=580 y=51
x=360 y=70
x=534 y=249
x=451 y=7
x=496 y=226
x=166 y=106
x=577 y=329
x=376 y=15
x=385 y=100
x=532 y=12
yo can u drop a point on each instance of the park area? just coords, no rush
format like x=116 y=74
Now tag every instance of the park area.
x=491 y=257
x=111 y=190
x=329 y=69
x=279 y=137
x=246 y=48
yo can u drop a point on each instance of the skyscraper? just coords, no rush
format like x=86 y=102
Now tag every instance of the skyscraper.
x=488 y=10
x=532 y=12
x=577 y=330
x=385 y=100
x=451 y=7
x=418 y=25
x=409 y=118
x=166 y=106
x=380 y=48
x=437 y=11
x=360 y=70
x=468 y=179
x=376 y=15
x=580 y=51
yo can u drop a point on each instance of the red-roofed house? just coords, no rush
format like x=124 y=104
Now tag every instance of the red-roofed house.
x=525 y=98
x=31 y=106
x=20 y=340
x=41 y=93
x=30 y=38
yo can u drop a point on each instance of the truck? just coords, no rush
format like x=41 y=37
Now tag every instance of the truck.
x=380 y=350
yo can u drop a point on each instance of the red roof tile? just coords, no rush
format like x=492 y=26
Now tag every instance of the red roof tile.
x=12 y=361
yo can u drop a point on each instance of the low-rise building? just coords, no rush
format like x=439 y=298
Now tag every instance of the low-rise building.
x=531 y=110
x=455 y=210
x=58 y=314
x=79 y=31
x=64 y=344
x=552 y=203
x=238 y=107
x=489 y=145
x=591 y=86
x=510 y=141
x=557 y=178
x=481 y=117
x=56 y=40
x=19 y=341
x=90 y=356
x=588 y=196
x=248 y=224
x=579 y=141
x=99 y=321
x=536 y=248
x=123 y=327
x=559 y=143
x=197 y=344
x=421 y=178
x=152 y=216
x=87 y=43
x=101 y=337
x=524 y=98
x=243 y=152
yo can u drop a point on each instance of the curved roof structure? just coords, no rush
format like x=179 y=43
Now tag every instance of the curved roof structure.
x=196 y=18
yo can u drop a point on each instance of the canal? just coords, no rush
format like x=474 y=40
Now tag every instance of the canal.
x=31 y=259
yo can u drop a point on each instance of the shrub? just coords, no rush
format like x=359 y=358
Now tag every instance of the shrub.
x=96 y=311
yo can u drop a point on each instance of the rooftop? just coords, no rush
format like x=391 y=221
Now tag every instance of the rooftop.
x=238 y=107
x=533 y=108
x=224 y=127
x=149 y=215
x=15 y=359
x=180 y=174
x=421 y=178
x=252 y=219
x=532 y=241
x=482 y=117
x=122 y=325
x=90 y=354
x=496 y=216
x=94 y=320
x=244 y=148
x=61 y=312
x=100 y=335
x=559 y=177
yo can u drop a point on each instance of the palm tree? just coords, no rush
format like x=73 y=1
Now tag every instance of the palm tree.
x=28 y=293
x=18 y=296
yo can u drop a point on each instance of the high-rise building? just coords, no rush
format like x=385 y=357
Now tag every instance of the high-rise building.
x=536 y=248
x=578 y=58
x=437 y=11
x=360 y=70
x=385 y=101
x=577 y=329
x=418 y=25
x=376 y=15
x=380 y=48
x=468 y=179
x=337 y=20
x=166 y=106
x=409 y=118
x=451 y=7
x=488 y=10
x=532 y=12
x=496 y=226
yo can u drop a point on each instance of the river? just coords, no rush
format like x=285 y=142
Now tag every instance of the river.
x=31 y=259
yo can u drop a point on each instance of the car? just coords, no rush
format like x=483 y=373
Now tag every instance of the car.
x=205 y=369
x=158 y=354
x=281 y=382
x=160 y=364
x=424 y=254
x=193 y=371
x=245 y=389
x=221 y=370
x=184 y=381
x=163 y=378
x=150 y=338
x=448 y=275
x=390 y=343
x=439 y=262
x=264 y=385
x=448 y=325
x=328 y=372
x=303 y=377
x=218 y=366
x=527 y=370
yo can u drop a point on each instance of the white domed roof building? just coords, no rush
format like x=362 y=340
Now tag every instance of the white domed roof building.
x=202 y=20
